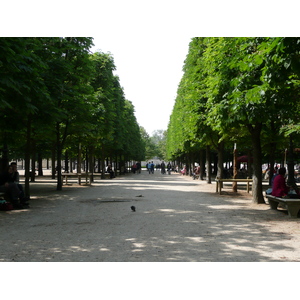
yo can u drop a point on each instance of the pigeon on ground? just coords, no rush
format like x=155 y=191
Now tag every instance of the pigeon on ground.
x=133 y=208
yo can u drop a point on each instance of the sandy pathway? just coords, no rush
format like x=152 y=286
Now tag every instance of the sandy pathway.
x=176 y=219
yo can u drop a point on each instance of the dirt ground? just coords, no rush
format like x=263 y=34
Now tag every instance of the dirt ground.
x=177 y=219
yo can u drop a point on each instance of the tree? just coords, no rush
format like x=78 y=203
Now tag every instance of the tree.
x=235 y=90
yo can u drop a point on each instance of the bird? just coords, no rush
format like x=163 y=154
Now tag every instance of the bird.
x=133 y=208
x=140 y=196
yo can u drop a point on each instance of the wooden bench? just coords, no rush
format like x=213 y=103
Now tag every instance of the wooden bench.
x=292 y=205
x=220 y=182
x=88 y=177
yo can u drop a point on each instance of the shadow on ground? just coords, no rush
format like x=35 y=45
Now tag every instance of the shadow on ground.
x=174 y=221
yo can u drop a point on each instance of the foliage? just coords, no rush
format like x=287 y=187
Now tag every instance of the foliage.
x=236 y=90
x=54 y=92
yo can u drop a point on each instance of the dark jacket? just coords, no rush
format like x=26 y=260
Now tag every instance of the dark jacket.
x=4 y=177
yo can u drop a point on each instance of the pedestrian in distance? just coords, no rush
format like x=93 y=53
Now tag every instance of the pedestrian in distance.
x=169 y=168
x=163 y=168
x=152 y=167
x=149 y=167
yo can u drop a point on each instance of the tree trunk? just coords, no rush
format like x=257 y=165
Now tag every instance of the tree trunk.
x=272 y=150
x=190 y=164
x=27 y=157
x=67 y=162
x=102 y=164
x=235 y=172
x=202 y=164
x=215 y=162
x=58 y=157
x=99 y=165
x=87 y=154
x=220 y=160
x=208 y=165
x=33 y=161
x=40 y=164
x=272 y=161
x=257 y=194
x=53 y=162
x=91 y=162
x=290 y=164
x=79 y=163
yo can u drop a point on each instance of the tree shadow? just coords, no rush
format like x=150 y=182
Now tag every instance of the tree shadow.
x=170 y=224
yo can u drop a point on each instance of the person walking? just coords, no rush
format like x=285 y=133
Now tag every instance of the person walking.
x=169 y=168
x=163 y=168
x=149 y=167
x=152 y=167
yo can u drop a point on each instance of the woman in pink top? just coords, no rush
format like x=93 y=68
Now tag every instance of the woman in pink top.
x=280 y=188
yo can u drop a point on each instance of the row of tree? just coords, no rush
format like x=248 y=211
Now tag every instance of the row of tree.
x=57 y=97
x=242 y=91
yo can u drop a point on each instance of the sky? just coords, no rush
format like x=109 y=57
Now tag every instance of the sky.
x=149 y=69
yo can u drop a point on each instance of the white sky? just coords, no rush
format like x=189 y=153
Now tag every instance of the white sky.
x=150 y=69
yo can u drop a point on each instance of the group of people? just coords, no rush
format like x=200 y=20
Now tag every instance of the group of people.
x=163 y=168
x=10 y=185
x=195 y=172
x=136 y=168
x=150 y=167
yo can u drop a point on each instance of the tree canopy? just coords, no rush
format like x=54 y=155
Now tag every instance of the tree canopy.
x=237 y=90
x=55 y=94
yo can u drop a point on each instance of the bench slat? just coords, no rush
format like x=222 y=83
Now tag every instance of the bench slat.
x=220 y=181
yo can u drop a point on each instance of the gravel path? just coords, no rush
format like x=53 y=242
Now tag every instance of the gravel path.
x=177 y=219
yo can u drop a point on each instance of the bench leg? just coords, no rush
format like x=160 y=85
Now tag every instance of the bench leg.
x=248 y=187
x=273 y=204
x=293 y=210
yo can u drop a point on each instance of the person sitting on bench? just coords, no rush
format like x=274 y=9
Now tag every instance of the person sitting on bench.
x=14 y=176
x=10 y=188
x=280 y=189
x=183 y=171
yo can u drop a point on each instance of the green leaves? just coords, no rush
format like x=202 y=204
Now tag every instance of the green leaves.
x=60 y=86
x=234 y=83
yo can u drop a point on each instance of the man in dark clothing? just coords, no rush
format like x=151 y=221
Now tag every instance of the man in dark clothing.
x=152 y=167
x=10 y=188
x=15 y=177
x=110 y=171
